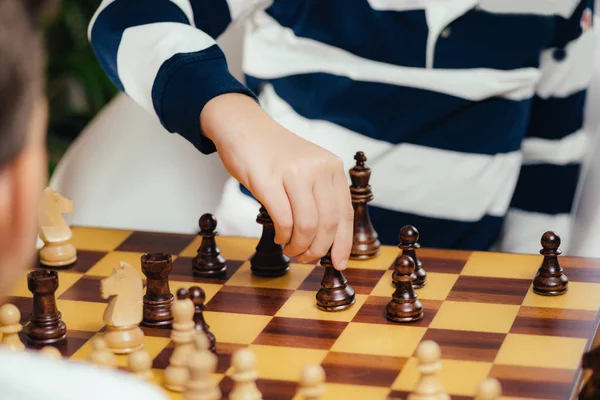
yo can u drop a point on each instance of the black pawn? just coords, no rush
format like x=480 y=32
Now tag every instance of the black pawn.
x=404 y=306
x=209 y=261
x=335 y=293
x=409 y=235
x=198 y=297
x=269 y=260
x=550 y=279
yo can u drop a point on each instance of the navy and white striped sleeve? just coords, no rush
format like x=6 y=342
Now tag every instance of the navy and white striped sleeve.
x=555 y=143
x=163 y=54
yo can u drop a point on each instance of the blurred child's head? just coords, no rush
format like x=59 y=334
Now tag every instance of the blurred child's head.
x=23 y=115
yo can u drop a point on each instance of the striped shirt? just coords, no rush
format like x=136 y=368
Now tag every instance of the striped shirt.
x=471 y=112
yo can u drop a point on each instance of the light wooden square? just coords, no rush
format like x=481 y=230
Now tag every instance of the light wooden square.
x=232 y=248
x=580 y=296
x=291 y=280
x=235 y=328
x=541 y=351
x=336 y=391
x=502 y=265
x=437 y=288
x=386 y=340
x=303 y=304
x=98 y=239
x=479 y=317
x=82 y=315
x=386 y=257
x=105 y=266
x=65 y=281
x=458 y=377
x=210 y=289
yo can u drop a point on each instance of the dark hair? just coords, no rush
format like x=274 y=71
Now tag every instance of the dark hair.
x=21 y=73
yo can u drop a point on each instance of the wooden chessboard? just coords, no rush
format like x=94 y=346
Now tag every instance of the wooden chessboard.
x=479 y=307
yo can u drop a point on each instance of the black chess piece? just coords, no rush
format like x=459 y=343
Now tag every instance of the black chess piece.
x=335 y=293
x=46 y=326
x=550 y=279
x=198 y=298
x=404 y=306
x=269 y=260
x=409 y=235
x=208 y=262
x=365 y=242
x=158 y=298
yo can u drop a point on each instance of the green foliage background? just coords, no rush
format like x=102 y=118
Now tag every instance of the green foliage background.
x=77 y=87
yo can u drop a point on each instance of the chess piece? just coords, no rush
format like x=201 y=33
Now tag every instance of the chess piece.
x=198 y=297
x=101 y=355
x=209 y=261
x=10 y=326
x=45 y=326
x=51 y=352
x=244 y=376
x=365 y=242
x=58 y=249
x=140 y=364
x=182 y=336
x=125 y=309
x=335 y=293
x=404 y=306
x=158 y=298
x=591 y=361
x=269 y=260
x=429 y=386
x=312 y=382
x=202 y=364
x=489 y=389
x=550 y=279
x=408 y=244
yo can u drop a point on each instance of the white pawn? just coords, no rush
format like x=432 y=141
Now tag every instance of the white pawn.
x=140 y=364
x=101 y=354
x=429 y=386
x=202 y=364
x=244 y=376
x=51 y=352
x=489 y=389
x=312 y=382
x=10 y=326
x=182 y=336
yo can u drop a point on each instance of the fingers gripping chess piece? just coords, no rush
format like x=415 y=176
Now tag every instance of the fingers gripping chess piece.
x=158 y=298
x=182 y=336
x=429 y=386
x=409 y=235
x=550 y=279
x=202 y=364
x=10 y=326
x=125 y=309
x=58 y=249
x=335 y=293
x=198 y=297
x=269 y=260
x=489 y=389
x=209 y=261
x=140 y=364
x=365 y=243
x=101 y=354
x=404 y=306
x=244 y=376
x=312 y=382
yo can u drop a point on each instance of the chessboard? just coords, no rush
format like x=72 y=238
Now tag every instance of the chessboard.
x=479 y=307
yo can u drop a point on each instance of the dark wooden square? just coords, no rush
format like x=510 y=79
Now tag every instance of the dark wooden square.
x=154 y=242
x=301 y=333
x=554 y=322
x=85 y=289
x=75 y=340
x=363 y=281
x=489 y=290
x=444 y=261
x=363 y=369
x=373 y=311
x=182 y=271
x=532 y=382
x=466 y=345
x=248 y=300
x=86 y=259
x=270 y=389
x=579 y=269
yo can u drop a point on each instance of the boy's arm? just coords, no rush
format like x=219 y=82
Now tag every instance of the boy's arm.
x=555 y=145
x=163 y=54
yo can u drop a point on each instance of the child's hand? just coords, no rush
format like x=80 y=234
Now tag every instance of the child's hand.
x=302 y=185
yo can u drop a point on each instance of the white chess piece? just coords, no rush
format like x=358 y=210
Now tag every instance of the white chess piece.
x=244 y=376
x=58 y=249
x=140 y=364
x=489 y=389
x=429 y=386
x=202 y=364
x=312 y=382
x=51 y=352
x=101 y=354
x=10 y=326
x=182 y=336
